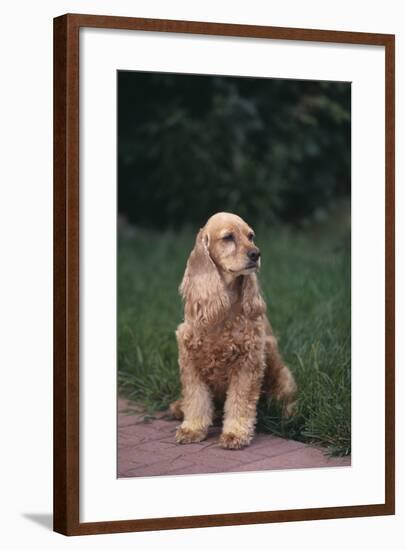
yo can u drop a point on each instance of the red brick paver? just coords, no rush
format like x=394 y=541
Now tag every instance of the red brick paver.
x=147 y=448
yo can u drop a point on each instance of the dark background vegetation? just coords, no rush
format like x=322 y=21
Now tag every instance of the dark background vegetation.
x=191 y=145
x=276 y=152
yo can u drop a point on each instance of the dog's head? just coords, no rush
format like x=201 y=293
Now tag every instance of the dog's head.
x=224 y=251
x=229 y=240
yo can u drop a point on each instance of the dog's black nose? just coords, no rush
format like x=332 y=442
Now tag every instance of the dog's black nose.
x=253 y=254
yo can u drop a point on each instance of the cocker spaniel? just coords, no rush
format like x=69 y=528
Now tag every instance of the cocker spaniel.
x=227 y=351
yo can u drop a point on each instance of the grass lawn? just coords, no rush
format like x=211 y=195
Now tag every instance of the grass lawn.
x=305 y=278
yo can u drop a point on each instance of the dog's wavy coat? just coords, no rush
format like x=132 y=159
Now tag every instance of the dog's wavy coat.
x=227 y=351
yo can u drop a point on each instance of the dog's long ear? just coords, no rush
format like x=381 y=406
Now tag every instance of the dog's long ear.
x=252 y=302
x=202 y=289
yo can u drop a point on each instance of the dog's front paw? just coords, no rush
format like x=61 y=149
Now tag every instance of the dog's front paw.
x=187 y=435
x=230 y=440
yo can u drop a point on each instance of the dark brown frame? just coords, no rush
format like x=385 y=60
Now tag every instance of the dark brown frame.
x=66 y=273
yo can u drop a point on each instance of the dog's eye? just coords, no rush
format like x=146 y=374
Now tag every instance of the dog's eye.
x=251 y=236
x=228 y=237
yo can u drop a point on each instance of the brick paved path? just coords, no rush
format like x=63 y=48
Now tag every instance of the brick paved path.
x=148 y=449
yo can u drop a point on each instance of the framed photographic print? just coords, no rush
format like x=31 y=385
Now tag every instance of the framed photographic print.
x=223 y=274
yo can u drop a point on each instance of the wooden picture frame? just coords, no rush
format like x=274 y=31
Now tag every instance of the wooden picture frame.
x=67 y=284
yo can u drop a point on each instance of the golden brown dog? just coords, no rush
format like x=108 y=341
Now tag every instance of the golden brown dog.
x=227 y=351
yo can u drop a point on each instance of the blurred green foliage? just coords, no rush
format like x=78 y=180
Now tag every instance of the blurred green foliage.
x=268 y=149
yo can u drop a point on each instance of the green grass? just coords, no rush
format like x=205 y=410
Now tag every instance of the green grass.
x=305 y=278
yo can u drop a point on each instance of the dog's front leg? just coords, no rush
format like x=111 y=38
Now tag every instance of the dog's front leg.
x=197 y=407
x=240 y=406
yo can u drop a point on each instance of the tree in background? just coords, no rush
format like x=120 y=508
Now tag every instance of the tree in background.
x=268 y=149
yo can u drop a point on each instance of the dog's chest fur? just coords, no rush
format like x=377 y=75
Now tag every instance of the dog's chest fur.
x=235 y=343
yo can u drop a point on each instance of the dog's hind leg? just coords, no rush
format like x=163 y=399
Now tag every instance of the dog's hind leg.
x=279 y=381
x=177 y=410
